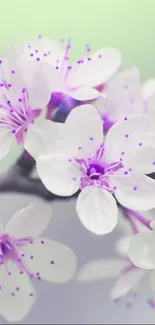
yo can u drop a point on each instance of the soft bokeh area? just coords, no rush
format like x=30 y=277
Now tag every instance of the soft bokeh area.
x=129 y=26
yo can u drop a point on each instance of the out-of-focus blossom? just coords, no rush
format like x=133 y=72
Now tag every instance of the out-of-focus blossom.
x=24 y=255
x=123 y=95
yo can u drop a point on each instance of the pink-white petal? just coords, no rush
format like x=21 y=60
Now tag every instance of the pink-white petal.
x=121 y=96
x=96 y=70
x=140 y=153
x=17 y=295
x=50 y=260
x=100 y=269
x=126 y=283
x=84 y=93
x=83 y=132
x=141 y=250
x=59 y=174
x=43 y=137
x=30 y=221
x=97 y=210
x=120 y=133
x=133 y=190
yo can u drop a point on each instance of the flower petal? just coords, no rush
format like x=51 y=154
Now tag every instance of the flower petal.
x=140 y=153
x=83 y=132
x=127 y=282
x=122 y=245
x=42 y=137
x=39 y=89
x=141 y=250
x=17 y=294
x=30 y=221
x=95 y=71
x=84 y=93
x=59 y=174
x=133 y=190
x=122 y=95
x=50 y=260
x=97 y=210
x=119 y=135
x=5 y=143
x=100 y=269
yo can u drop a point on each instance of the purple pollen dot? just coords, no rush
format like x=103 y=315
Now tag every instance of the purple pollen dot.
x=100 y=56
x=38 y=59
x=23 y=90
x=140 y=144
x=52 y=262
x=121 y=159
x=31 y=241
x=31 y=54
x=37 y=273
x=153 y=162
x=9 y=273
x=22 y=254
x=13 y=294
x=31 y=294
x=32 y=257
x=13 y=131
x=0 y=61
x=130 y=169
x=13 y=71
x=20 y=100
x=31 y=276
x=11 y=110
x=69 y=67
x=125 y=118
x=36 y=51
x=39 y=278
x=57 y=67
x=18 y=260
x=122 y=153
x=114 y=187
x=17 y=288
x=2 y=85
x=70 y=160
x=45 y=54
x=9 y=85
x=135 y=188
x=21 y=272
x=42 y=242
x=39 y=36
x=125 y=173
x=89 y=59
x=74 y=178
x=79 y=148
x=9 y=102
x=91 y=138
x=126 y=135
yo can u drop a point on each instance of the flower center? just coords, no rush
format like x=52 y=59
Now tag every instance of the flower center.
x=95 y=171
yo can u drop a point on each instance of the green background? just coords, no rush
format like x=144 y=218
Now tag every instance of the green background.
x=128 y=25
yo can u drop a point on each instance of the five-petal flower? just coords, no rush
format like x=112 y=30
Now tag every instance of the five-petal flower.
x=80 y=160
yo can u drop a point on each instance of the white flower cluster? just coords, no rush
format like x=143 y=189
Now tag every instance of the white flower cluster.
x=104 y=151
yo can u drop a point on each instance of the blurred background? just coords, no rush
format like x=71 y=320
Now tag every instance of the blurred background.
x=129 y=26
